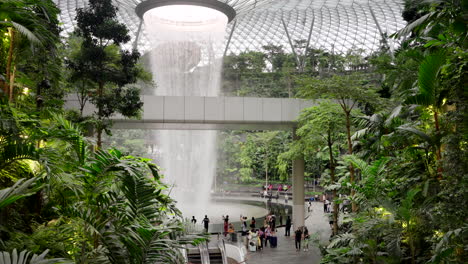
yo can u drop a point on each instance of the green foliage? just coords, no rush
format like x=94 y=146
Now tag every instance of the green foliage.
x=29 y=54
x=22 y=188
x=93 y=207
x=25 y=257
x=101 y=69
x=409 y=156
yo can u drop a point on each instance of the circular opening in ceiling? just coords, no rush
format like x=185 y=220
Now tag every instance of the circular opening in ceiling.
x=192 y=16
x=185 y=16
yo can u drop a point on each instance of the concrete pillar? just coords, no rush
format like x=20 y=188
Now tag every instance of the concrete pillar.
x=298 y=167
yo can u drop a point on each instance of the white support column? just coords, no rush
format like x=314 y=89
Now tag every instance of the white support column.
x=298 y=167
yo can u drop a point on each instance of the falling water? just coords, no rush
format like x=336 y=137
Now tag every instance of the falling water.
x=186 y=60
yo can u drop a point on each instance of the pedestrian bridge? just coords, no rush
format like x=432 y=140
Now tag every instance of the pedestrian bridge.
x=196 y=112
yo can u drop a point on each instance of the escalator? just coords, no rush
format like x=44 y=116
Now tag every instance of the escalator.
x=194 y=256
x=204 y=255
x=216 y=257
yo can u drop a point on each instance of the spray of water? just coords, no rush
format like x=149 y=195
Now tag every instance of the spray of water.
x=186 y=60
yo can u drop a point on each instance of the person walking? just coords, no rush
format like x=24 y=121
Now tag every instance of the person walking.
x=327 y=206
x=306 y=238
x=194 y=221
x=297 y=240
x=324 y=203
x=288 y=226
x=205 y=222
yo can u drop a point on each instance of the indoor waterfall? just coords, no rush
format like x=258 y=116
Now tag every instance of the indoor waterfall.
x=186 y=60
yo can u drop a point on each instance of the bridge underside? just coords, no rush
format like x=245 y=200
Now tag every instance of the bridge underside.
x=138 y=124
x=209 y=113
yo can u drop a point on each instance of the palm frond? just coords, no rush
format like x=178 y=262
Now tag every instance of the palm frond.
x=13 y=150
x=25 y=257
x=409 y=28
x=23 y=31
x=395 y=113
x=22 y=188
x=417 y=132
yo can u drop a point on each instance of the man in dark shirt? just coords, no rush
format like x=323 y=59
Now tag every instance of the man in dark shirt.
x=288 y=226
x=194 y=221
x=205 y=222
x=298 y=239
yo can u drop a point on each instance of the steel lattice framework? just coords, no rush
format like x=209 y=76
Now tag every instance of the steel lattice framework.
x=332 y=25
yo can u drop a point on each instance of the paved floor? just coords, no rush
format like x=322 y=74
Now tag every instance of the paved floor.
x=317 y=224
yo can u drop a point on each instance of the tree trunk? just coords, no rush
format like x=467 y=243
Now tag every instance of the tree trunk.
x=12 y=83
x=100 y=123
x=438 y=151
x=82 y=97
x=350 y=151
x=99 y=138
x=9 y=60
x=332 y=177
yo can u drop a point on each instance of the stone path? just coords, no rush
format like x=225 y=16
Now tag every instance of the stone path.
x=316 y=222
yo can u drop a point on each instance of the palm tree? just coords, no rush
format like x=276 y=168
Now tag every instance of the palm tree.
x=430 y=94
x=23 y=19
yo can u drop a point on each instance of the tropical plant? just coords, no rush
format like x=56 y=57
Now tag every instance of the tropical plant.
x=348 y=91
x=328 y=117
x=22 y=188
x=29 y=22
x=102 y=62
x=25 y=257
x=124 y=211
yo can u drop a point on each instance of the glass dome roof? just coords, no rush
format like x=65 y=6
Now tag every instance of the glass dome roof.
x=332 y=25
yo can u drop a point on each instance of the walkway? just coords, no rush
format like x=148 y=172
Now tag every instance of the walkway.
x=211 y=113
x=317 y=223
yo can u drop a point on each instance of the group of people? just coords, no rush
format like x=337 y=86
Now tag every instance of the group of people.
x=267 y=192
x=259 y=238
x=302 y=237
x=205 y=222
x=328 y=205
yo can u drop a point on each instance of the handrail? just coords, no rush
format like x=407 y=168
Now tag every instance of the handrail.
x=204 y=254
x=185 y=253
x=222 y=249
